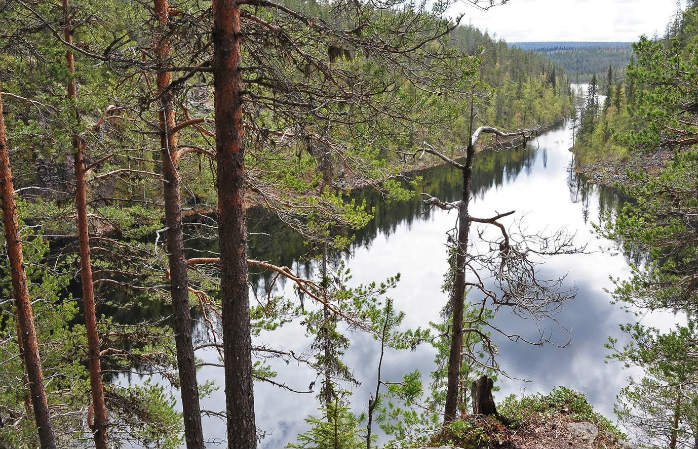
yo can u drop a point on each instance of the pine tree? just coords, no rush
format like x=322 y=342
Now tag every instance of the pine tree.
x=618 y=96
x=590 y=111
x=28 y=343
x=88 y=295
x=592 y=101
x=660 y=407
x=170 y=154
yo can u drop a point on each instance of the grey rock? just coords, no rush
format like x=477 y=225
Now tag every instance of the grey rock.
x=586 y=432
x=627 y=445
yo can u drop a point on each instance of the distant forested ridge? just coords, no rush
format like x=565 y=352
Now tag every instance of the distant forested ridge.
x=536 y=46
x=525 y=88
x=582 y=60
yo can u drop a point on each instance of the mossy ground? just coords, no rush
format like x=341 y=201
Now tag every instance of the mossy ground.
x=536 y=421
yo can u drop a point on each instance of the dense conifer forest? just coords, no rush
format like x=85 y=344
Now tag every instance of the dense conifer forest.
x=184 y=184
x=582 y=60
x=124 y=125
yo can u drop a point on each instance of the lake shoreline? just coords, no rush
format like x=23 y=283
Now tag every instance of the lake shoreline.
x=421 y=166
x=509 y=142
x=618 y=172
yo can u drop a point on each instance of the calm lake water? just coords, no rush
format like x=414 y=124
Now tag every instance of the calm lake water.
x=407 y=238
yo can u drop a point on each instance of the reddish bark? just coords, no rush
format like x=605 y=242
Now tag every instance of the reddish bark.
x=179 y=281
x=29 y=346
x=88 y=296
x=232 y=228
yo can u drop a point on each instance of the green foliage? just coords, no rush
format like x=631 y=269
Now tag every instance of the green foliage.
x=409 y=414
x=660 y=405
x=147 y=416
x=336 y=428
x=137 y=413
x=659 y=224
x=302 y=164
x=663 y=80
x=521 y=88
x=403 y=416
x=653 y=116
x=602 y=135
x=527 y=417
x=465 y=434
x=653 y=107
x=62 y=347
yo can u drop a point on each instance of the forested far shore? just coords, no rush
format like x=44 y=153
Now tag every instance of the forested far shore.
x=583 y=60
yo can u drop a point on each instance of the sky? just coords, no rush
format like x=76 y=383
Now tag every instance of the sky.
x=570 y=20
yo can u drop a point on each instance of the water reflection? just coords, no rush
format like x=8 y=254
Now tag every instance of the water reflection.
x=407 y=238
x=607 y=201
x=270 y=239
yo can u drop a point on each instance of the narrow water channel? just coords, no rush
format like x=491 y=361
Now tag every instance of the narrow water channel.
x=407 y=238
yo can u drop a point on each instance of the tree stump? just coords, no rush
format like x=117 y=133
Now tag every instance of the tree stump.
x=483 y=402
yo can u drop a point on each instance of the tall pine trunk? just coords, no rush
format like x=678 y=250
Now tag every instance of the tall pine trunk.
x=88 y=294
x=29 y=346
x=232 y=230
x=179 y=281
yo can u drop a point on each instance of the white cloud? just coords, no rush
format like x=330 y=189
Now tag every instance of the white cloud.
x=571 y=20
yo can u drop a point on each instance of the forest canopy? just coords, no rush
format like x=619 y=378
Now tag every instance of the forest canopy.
x=184 y=183
x=582 y=60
